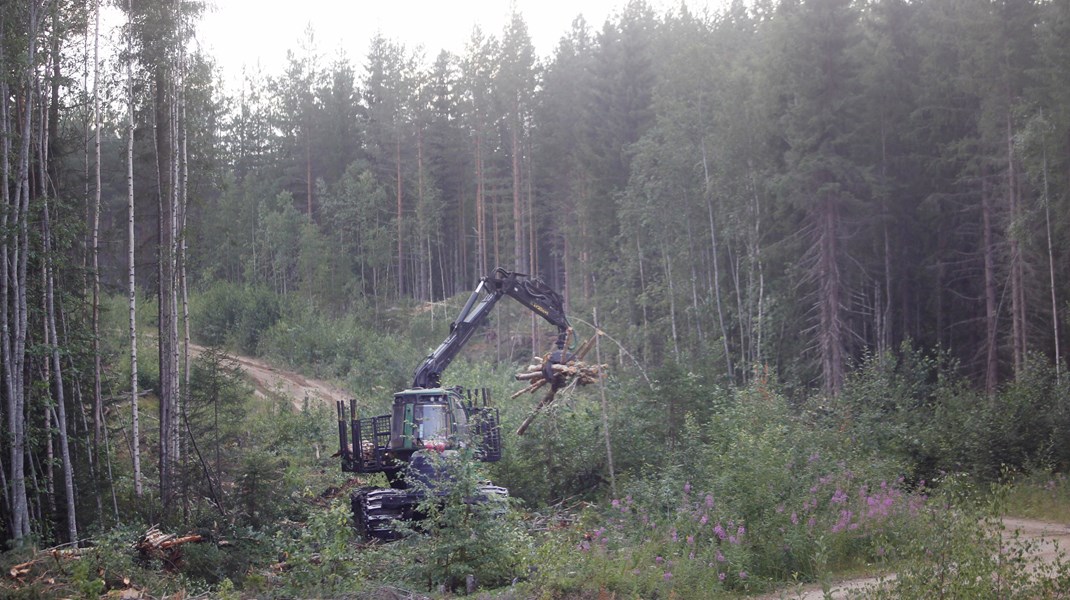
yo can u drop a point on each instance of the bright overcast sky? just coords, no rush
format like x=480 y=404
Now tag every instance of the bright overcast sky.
x=259 y=32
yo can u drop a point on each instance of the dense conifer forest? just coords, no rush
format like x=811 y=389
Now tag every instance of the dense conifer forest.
x=828 y=243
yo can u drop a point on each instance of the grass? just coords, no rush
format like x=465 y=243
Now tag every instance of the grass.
x=1040 y=496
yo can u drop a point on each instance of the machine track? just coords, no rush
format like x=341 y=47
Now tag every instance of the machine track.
x=376 y=509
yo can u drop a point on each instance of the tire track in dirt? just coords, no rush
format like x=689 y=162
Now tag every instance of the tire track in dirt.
x=273 y=382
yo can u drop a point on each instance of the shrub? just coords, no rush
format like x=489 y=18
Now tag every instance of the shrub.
x=234 y=315
x=465 y=531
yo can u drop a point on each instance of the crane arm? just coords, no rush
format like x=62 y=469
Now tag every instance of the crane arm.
x=531 y=292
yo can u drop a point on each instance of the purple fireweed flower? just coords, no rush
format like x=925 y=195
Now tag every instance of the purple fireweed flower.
x=667 y=576
x=673 y=535
x=839 y=497
x=658 y=560
x=794 y=518
x=720 y=576
x=816 y=456
x=719 y=557
x=741 y=531
x=690 y=540
x=719 y=531
x=733 y=539
x=742 y=574
x=709 y=500
x=703 y=520
x=615 y=503
x=691 y=556
x=687 y=487
x=779 y=509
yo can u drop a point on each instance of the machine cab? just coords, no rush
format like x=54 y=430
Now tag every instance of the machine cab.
x=427 y=419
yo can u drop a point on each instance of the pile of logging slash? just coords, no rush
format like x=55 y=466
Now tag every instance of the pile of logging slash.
x=562 y=374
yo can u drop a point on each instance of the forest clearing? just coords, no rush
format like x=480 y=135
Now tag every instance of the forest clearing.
x=791 y=284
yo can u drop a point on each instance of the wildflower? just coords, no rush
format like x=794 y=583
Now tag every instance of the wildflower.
x=673 y=535
x=816 y=456
x=839 y=497
x=687 y=487
x=794 y=518
x=719 y=557
x=742 y=574
x=709 y=500
x=741 y=531
x=719 y=531
x=658 y=560
x=616 y=503
x=691 y=556
x=703 y=520
x=720 y=576
x=667 y=576
x=690 y=540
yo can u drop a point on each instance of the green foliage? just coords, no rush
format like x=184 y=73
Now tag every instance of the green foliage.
x=234 y=315
x=465 y=531
x=969 y=552
x=1040 y=495
x=321 y=557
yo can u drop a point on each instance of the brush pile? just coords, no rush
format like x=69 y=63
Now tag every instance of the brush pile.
x=560 y=374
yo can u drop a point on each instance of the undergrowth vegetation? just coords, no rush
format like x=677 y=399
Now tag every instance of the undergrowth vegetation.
x=715 y=491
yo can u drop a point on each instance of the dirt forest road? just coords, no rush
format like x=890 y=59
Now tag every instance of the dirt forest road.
x=1047 y=539
x=269 y=381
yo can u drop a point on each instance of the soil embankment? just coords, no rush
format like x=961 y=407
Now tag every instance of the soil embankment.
x=268 y=381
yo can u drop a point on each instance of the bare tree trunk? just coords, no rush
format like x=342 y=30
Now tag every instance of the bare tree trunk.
x=400 y=215
x=714 y=259
x=57 y=373
x=672 y=303
x=830 y=293
x=135 y=450
x=642 y=301
x=991 y=364
x=165 y=261
x=98 y=410
x=518 y=215
x=1051 y=264
x=605 y=408
x=14 y=251
x=481 y=220
x=1018 y=333
x=183 y=205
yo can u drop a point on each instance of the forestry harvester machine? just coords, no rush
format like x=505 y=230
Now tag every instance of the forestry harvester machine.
x=429 y=417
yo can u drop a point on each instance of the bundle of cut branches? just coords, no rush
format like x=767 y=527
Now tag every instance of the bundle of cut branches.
x=164 y=546
x=562 y=375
